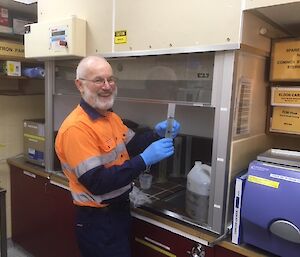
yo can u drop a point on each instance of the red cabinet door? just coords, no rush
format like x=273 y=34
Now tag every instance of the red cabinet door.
x=222 y=252
x=43 y=216
x=152 y=241
x=28 y=210
x=61 y=222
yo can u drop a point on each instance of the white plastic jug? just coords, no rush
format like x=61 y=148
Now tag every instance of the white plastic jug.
x=197 y=192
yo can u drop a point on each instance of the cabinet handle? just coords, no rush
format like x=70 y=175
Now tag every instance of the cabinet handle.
x=27 y=173
x=59 y=185
x=156 y=246
x=157 y=243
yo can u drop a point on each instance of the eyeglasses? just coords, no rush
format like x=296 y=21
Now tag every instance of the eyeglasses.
x=101 y=81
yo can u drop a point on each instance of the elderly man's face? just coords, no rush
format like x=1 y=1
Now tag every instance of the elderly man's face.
x=98 y=88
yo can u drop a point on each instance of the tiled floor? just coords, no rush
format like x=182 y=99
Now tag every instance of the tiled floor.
x=13 y=250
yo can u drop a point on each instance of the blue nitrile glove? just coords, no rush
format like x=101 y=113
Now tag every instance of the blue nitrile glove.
x=158 y=151
x=160 y=128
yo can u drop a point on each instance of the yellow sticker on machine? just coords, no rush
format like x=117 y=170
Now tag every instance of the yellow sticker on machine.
x=121 y=37
x=38 y=138
x=263 y=181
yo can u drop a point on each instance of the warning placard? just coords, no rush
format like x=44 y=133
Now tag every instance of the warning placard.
x=121 y=37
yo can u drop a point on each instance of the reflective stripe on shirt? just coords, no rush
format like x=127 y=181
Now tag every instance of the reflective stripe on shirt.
x=130 y=134
x=84 y=197
x=96 y=161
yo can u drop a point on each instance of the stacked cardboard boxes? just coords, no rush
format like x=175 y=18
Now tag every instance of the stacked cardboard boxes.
x=285 y=90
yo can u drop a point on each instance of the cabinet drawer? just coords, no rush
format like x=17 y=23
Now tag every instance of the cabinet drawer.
x=153 y=241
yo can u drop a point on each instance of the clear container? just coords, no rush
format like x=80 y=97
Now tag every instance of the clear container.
x=197 y=192
x=145 y=180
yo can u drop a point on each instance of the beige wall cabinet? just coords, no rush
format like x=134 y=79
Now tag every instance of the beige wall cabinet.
x=160 y=25
x=129 y=27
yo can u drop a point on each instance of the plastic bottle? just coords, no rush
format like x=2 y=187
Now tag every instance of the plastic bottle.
x=197 y=192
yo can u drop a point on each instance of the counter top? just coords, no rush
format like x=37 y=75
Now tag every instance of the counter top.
x=189 y=231
x=55 y=176
x=196 y=233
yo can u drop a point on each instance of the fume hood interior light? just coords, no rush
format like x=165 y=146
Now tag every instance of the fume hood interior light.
x=26 y=1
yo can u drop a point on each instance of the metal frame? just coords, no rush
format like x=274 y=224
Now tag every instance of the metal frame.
x=3 y=230
x=49 y=88
x=175 y=50
x=221 y=100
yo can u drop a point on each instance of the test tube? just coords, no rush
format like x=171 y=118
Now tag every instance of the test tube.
x=162 y=175
x=170 y=120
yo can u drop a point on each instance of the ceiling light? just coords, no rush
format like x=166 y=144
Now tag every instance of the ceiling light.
x=26 y=1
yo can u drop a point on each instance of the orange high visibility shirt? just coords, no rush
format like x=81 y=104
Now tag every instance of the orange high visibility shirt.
x=85 y=142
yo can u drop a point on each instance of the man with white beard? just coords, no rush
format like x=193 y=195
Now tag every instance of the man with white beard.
x=101 y=157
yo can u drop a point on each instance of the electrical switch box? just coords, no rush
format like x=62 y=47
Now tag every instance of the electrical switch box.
x=60 y=38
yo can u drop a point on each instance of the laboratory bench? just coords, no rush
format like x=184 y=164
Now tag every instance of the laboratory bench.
x=43 y=220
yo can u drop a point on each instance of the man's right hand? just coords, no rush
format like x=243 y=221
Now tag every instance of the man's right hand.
x=157 y=151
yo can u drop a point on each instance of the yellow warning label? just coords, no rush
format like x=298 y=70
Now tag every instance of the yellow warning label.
x=121 y=37
x=11 y=68
x=34 y=137
x=263 y=181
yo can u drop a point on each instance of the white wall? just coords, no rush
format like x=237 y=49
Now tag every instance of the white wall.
x=13 y=110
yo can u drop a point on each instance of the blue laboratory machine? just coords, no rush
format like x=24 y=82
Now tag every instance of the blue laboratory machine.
x=271 y=207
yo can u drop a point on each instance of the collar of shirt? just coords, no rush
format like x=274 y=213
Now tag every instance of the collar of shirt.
x=91 y=112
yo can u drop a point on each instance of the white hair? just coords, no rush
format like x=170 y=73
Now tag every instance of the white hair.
x=84 y=64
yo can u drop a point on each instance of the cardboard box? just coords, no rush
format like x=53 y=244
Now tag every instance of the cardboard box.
x=285 y=60
x=11 y=68
x=34 y=141
x=4 y=16
x=285 y=96
x=6 y=29
x=19 y=26
x=11 y=49
x=285 y=120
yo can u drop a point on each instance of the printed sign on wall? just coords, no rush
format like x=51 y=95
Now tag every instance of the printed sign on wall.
x=285 y=60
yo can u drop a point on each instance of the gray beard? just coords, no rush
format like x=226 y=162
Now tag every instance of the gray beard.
x=95 y=101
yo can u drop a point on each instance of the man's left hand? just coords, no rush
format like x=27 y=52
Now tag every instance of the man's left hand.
x=160 y=128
